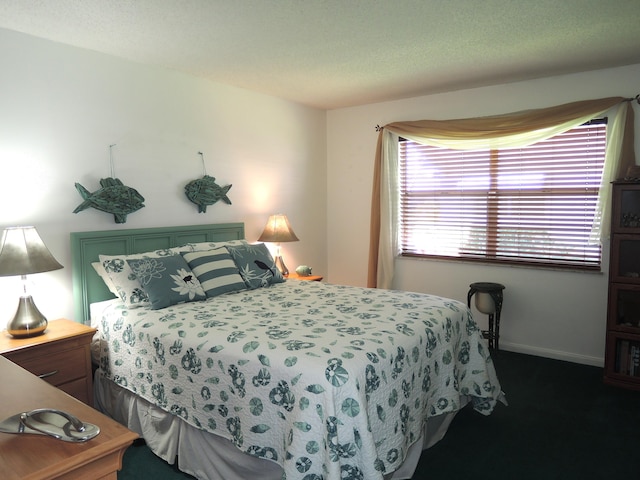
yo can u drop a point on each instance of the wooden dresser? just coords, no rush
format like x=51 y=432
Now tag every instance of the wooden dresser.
x=39 y=457
x=61 y=356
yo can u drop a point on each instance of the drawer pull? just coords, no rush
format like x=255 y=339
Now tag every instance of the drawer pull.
x=47 y=375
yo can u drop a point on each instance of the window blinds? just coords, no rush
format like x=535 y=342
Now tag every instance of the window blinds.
x=532 y=205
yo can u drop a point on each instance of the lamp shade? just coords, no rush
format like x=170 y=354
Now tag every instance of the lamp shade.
x=22 y=252
x=278 y=230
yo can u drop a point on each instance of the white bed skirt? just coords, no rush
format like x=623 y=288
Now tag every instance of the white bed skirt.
x=210 y=457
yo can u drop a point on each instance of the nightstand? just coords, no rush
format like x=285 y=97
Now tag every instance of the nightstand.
x=311 y=278
x=61 y=356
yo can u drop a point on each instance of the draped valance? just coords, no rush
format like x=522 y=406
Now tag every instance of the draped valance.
x=492 y=132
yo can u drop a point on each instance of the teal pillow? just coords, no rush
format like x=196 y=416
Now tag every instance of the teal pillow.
x=167 y=280
x=216 y=271
x=256 y=265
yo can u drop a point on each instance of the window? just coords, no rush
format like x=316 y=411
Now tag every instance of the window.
x=533 y=205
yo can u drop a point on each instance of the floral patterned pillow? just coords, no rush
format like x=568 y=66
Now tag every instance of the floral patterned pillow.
x=256 y=265
x=127 y=285
x=167 y=281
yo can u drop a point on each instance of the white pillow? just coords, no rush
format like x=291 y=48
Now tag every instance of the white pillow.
x=202 y=246
x=97 y=266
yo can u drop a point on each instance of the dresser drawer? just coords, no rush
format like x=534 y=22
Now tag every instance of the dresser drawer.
x=61 y=356
x=56 y=368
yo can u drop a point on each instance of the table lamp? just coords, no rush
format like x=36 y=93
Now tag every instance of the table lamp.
x=22 y=252
x=276 y=231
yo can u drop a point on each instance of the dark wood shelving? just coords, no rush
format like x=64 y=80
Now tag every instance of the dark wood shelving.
x=622 y=358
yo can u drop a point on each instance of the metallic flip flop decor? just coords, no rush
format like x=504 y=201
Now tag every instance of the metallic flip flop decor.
x=51 y=422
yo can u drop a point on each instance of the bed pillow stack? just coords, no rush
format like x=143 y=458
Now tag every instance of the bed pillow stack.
x=188 y=273
x=126 y=284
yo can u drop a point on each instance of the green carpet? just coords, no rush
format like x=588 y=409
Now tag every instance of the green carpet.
x=562 y=422
x=139 y=463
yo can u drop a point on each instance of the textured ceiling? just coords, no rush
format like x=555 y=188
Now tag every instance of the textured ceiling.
x=336 y=53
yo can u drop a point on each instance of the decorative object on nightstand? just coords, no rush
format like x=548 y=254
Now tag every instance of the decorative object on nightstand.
x=22 y=252
x=277 y=231
x=303 y=271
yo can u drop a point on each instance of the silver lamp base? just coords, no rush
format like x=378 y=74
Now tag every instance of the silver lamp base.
x=28 y=321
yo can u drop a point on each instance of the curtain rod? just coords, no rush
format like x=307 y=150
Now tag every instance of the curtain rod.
x=631 y=99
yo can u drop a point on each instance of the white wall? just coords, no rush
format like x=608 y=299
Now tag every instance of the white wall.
x=61 y=108
x=549 y=313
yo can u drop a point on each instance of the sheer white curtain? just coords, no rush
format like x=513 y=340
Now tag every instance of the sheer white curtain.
x=504 y=131
x=389 y=208
x=614 y=168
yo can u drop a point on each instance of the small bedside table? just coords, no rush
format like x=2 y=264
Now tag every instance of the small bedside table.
x=61 y=356
x=311 y=278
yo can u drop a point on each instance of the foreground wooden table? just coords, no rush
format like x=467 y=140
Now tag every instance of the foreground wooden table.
x=39 y=457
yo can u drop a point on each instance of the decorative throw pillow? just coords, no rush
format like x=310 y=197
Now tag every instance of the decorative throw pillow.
x=256 y=265
x=167 y=281
x=216 y=271
x=127 y=285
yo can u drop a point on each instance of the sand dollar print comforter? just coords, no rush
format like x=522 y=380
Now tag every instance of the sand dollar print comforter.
x=331 y=382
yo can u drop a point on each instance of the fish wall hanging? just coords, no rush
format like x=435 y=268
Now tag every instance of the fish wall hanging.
x=205 y=191
x=114 y=197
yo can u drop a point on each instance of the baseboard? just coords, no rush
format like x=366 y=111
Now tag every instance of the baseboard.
x=555 y=354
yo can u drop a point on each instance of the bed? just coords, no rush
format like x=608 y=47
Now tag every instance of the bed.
x=279 y=378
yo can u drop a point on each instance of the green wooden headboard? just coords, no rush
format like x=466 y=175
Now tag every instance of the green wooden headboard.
x=88 y=287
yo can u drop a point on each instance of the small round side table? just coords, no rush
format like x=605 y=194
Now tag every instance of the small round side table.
x=491 y=306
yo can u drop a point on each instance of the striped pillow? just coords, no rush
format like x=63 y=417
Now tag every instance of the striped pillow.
x=216 y=271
